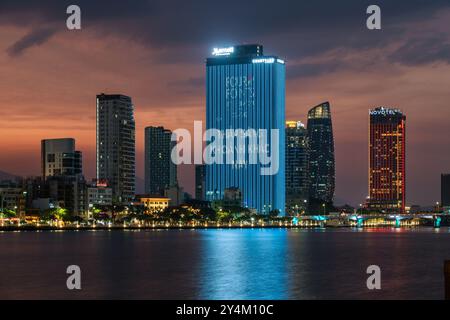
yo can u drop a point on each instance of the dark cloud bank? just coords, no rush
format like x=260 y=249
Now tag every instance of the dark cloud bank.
x=294 y=29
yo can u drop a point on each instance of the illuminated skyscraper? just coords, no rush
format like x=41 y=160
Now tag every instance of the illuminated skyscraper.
x=116 y=145
x=160 y=171
x=387 y=160
x=246 y=90
x=297 y=175
x=321 y=153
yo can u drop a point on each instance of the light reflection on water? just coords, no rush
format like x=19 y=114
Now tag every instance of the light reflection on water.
x=225 y=264
x=241 y=264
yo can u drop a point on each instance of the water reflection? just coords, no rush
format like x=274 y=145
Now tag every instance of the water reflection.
x=242 y=264
x=225 y=264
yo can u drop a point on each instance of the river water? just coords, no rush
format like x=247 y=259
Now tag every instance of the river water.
x=225 y=264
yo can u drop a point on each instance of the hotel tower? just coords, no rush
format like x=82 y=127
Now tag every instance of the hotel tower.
x=387 y=160
x=245 y=90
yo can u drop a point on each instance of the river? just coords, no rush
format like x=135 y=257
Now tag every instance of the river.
x=225 y=264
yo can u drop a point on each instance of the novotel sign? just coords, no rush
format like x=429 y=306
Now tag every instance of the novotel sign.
x=223 y=51
x=384 y=112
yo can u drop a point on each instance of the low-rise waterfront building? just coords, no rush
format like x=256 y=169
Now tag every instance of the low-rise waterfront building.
x=12 y=198
x=154 y=203
x=99 y=194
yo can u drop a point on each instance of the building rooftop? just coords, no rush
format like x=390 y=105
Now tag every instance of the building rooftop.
x=385 y=111
x=241 y=54
x=104 y=97
x=248 y=50
x=321 y=111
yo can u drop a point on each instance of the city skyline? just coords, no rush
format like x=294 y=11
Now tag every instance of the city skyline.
x=166 y=83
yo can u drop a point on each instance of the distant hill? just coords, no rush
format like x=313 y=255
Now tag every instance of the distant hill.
x=7 y=176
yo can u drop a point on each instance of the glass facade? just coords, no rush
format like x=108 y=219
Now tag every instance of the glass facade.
x=246 y=90
x=321 y=153
x=160 y=171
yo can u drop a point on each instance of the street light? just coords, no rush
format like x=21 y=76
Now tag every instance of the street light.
x=438 y=206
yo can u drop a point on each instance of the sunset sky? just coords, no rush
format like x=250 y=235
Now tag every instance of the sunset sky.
x=154 y=51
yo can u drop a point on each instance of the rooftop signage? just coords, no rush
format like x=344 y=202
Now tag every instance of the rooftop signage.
x=263 y=60
x=223 y=51
x=267 y=60
x=384 y=112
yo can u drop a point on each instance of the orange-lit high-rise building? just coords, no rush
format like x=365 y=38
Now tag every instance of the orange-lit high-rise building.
x=387 y=160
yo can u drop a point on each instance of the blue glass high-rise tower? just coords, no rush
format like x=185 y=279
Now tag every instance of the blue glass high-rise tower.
x=245 y=90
